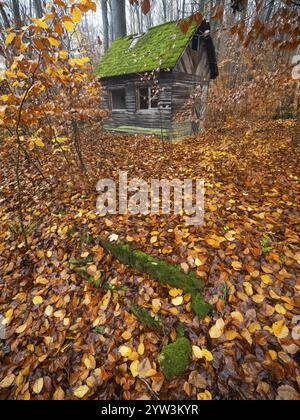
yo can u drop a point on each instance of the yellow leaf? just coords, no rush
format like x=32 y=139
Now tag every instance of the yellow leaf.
x=175 y=292
x=280 y=330
x=204 y=396
x=198 y=262
x=237 y=265
x=177 y=301
x=89 y=361
x=230 y=235
x=39 y=142
x=207 y=355
x=248 y=288
x=81 y=391
x=133 y=355
x=246 y=335
x=254 y=326
x=272 y=354
x=69 y=25
x=40 y=23
x=231 y=335
x=266 y=279
x=156 y=305
x=280 y=309
x=26 y=396
x=237 y=316
x=106 y=299
x=38 y=385
x=141 y=349
x=7 y=381
x=19 y=379
x=21 y=329
x=59 y=314
x=53 y=41
x=9 y=313
x=37 y=300
x=10 y=37
x=258 y=298
x=125 y=351
x=126 y=335
x=134 y=368
x=59 y=394
x=76 y=14
x=150 y=372
x=220 y=324
x=217 y=330
x=173 y=311
x=274 y=295
x=49 y=310
x=63 y=54
x=197 y=352
x=277 y=327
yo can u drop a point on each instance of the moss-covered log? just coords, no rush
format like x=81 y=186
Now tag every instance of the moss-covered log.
x=145 y=318
x=169 y=274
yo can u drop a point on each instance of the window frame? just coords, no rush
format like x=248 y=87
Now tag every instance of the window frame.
x=111 y=91
x=150 y=108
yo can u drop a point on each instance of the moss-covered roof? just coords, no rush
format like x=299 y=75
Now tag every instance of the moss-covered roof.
x=160 y=47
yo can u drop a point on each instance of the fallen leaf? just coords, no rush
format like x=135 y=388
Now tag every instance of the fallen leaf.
x=81 y=391
x=7 y=381
x=38 y=386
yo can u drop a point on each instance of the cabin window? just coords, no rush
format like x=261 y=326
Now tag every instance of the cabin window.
x=195 y=43
x=147 y=98
x=117 y=99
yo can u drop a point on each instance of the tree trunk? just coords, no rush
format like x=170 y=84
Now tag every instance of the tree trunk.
x=119 y=18
x=183 y=9
x=4 y=16
x=38 y=8
x=164 y=5
x=111 y=24
x=105 y=24
x=16 y=13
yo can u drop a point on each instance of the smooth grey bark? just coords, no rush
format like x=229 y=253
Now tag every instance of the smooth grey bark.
x=165 y=13
x=111 y=24
x=119 y=18
x=137 y=12
x=16 y=13
x=38 y=8
x=183 y=9
x=4 y=16
x=104 y=11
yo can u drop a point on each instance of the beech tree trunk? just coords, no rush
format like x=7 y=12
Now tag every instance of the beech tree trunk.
x=104 y=11
x=38 y=8
x=119 y=18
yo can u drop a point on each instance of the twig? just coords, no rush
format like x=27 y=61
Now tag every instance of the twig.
x=19 y=146
x=154 y=394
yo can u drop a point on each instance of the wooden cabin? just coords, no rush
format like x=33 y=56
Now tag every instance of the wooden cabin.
x=148 y=80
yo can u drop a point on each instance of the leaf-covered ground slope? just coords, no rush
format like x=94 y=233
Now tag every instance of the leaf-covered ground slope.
x=66 y=339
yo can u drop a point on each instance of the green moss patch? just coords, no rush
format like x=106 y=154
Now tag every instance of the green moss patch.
x=175 y=358
x=199 y=306
x=80 y=267
x=146 y=319
x=138 y=130
x=169 y=274
x=161 y=47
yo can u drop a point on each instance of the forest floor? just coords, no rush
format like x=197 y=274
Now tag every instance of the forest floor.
x=63 y=336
